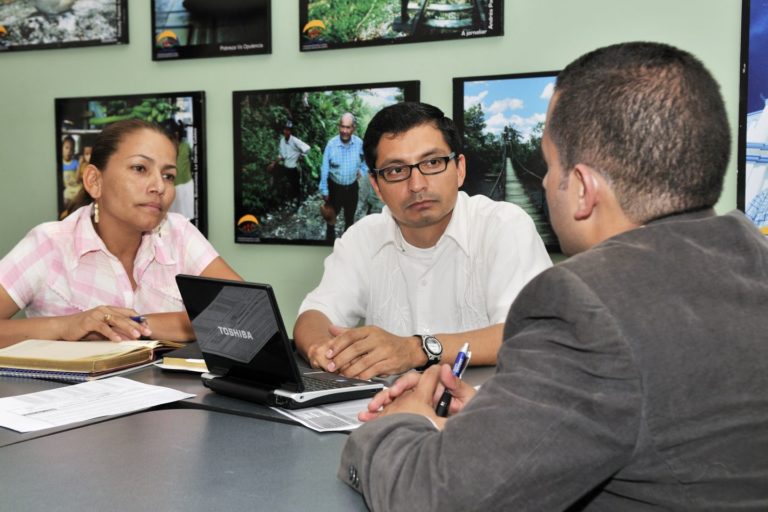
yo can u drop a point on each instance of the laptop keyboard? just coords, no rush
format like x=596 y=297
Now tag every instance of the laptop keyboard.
x=314 y=384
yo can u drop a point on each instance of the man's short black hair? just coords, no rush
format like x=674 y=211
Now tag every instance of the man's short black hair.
x=650 y=118
x=401 y=117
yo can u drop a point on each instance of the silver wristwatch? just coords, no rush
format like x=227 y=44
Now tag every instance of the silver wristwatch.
x=433 y=348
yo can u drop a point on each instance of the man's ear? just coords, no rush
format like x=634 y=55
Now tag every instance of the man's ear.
x=375 y=185
x=92 y=181
x=461 y=169
x=588 y=188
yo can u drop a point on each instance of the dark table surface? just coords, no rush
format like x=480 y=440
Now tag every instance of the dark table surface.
x=177 y=459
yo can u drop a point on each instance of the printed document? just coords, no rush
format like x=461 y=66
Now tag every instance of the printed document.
x=341 y=416
x=81 y=402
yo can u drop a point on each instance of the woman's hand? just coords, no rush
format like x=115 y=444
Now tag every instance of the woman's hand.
x=103 y=323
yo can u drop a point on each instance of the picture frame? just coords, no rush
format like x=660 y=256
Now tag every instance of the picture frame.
x=282 y=204
x=501 y=120
x=339 y=24
x=752 y=159
x=42 y=24
x=181 y=114
x=191 y=29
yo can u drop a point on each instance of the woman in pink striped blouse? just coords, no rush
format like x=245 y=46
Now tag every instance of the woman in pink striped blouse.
x=114 y=258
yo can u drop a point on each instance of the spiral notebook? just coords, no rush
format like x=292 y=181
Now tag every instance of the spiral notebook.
x=75 y=361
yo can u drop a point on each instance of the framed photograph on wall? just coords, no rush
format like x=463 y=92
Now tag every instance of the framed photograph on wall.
x=752 y=165
x=328 y=25
x=280 y=136
x=42 y=24
x=181 y=114
x=188 y=29
x=501 y=120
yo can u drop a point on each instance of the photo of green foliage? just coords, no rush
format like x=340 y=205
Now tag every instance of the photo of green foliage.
x=502 y=120
x=263 y=213
x=328 y=24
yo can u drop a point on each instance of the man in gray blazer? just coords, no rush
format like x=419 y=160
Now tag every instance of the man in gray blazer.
x=634 y=375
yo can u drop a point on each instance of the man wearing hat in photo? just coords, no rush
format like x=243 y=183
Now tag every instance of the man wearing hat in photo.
x=290 y=149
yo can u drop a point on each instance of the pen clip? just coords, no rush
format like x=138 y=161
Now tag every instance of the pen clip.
x=465 y=363
x=462 y=360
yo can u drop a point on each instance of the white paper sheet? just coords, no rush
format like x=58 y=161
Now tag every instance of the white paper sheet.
x=80 y=402
x=341 y=416
x=338 y=417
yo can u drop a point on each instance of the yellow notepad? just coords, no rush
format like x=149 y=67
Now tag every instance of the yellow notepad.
x=183 y=363
x=187 y=358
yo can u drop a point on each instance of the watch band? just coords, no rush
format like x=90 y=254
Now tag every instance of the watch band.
x=433 y=356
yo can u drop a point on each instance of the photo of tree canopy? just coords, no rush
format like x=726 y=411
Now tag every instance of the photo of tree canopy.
x=502 y=121
x=327 y=24
x=263 y=213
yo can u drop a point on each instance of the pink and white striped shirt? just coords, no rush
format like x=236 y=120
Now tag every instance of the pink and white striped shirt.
x=62 y=268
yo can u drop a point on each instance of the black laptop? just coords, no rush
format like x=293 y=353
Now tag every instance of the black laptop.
x=248 y=354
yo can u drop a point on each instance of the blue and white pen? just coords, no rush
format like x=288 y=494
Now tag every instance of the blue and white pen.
x=141 y=319
x=459 y=365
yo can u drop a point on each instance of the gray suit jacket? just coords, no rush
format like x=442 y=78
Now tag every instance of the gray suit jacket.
x=633 y=376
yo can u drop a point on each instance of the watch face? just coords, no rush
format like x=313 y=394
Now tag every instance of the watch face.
x=433 y=345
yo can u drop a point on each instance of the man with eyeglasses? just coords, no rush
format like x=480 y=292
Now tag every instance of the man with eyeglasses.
x=343 y=164
x=434 y=270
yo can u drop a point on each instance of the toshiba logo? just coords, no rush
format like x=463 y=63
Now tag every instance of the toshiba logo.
x=237 y=333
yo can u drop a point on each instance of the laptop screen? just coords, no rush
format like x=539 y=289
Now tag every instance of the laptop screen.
x=240 y=331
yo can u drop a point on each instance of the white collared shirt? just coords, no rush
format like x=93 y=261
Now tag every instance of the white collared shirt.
x=468 y=280
x=291 y=150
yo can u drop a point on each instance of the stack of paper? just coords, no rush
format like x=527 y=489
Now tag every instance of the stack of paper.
x=86 y=401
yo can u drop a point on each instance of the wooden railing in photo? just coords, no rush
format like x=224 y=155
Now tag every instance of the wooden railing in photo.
x=426 y=15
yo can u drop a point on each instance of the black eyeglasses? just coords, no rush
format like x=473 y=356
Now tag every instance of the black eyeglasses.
x=428 y=167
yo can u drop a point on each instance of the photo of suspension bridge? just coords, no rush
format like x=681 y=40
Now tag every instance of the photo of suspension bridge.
x=502 y=121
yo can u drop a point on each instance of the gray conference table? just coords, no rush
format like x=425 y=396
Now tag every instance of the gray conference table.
x=204 y=398
x=177 y=459
x=210 y=452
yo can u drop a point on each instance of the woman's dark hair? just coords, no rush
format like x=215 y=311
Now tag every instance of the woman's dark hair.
x=106 y=145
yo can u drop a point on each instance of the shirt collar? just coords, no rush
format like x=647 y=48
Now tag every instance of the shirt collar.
x=157 y=242
x=457 y=229
x=351 y=143
x=85 y=236
x=87 y=240
x=694 y=214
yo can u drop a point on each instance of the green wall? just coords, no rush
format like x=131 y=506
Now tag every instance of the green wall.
x=540 y=35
